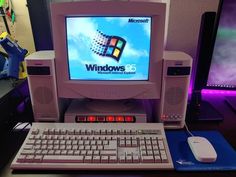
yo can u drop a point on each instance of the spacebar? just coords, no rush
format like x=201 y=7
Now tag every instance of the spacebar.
x=63 y=159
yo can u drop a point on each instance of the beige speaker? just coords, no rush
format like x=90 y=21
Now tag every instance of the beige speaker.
x=42 y=86
x=174 y=94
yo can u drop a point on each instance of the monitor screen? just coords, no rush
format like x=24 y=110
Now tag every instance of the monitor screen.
x=108 y=48
x=222 y=71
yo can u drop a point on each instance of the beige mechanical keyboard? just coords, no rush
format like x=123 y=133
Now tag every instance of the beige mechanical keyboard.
x=104 y=146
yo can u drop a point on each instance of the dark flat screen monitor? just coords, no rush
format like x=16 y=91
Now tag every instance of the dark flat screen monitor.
x=201 y=109
x=222 y=72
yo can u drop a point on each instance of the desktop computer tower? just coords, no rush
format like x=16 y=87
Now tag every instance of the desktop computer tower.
x=46 y=105
x=175 y=84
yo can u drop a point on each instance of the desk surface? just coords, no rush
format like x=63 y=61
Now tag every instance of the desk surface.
x=6 y=87
x=10 y=97
x=13 y=140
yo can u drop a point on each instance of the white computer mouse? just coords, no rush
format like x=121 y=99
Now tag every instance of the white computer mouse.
x=202 y=149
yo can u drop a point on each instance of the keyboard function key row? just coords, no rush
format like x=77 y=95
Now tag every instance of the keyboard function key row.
x=95 y=132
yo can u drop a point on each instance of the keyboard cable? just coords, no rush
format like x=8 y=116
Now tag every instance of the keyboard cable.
x=187 y=129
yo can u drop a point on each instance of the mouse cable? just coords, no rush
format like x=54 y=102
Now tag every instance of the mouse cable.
x=189 y=132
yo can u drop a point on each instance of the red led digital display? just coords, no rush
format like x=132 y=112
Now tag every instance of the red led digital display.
x=110 y=118
x=101 y=118
x=120 y=119
x=80 y=118
x=91 y=118
x=129 y=119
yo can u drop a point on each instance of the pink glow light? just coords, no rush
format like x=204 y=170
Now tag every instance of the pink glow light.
x=217 y=92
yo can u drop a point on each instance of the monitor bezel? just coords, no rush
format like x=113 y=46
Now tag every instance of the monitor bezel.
x=109 y=89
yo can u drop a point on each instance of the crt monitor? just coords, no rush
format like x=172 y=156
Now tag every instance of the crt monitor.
x=108 y=49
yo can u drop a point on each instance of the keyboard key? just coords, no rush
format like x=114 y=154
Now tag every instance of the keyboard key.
x=90 y=153
x=113 y=159
x=96 y=159
x=28 y=152
x=104 y=159
x=83 y=152
x=77 y=152
x=34 y=131
x=63 y=152
x=21 y=158
x=29 y=158
x=157 y=158
x=96 y=153
x=147 y=159
x=87 y=159
x=122 y=143
x=129 y=159
x=50 y=152
x=63 y=159
x=70 y=152
x=122 y=159
x=161 y=144
x=28 y=147
x=128 y=143
x=164 y=158
x=136 y=159
x=134 y=143
x=149 y=152
x=111 y=152
x=38 y=158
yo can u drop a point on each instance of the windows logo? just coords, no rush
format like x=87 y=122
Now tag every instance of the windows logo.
x=110 y=46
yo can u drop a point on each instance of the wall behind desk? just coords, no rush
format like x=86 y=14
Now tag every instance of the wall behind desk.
x=21 y=29
x=184 y=23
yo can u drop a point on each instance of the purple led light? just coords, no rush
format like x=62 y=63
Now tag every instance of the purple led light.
x=190 y=89
x=217 y=92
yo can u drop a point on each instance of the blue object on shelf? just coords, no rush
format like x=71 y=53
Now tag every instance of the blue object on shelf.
x=3 y=67
x=184 y=160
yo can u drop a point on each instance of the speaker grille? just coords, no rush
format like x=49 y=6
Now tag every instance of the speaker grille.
x=174 y=95
x=43 y=95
